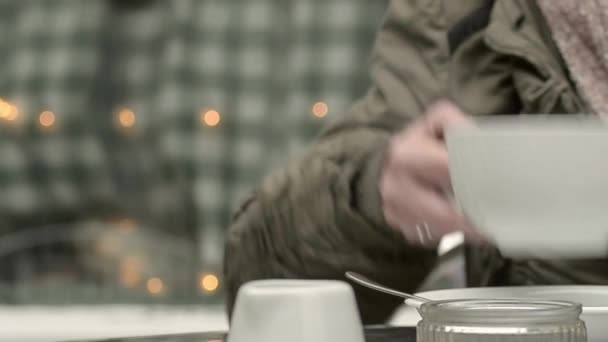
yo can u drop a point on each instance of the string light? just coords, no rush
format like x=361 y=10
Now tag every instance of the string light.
x=320 y=109
x=209 y=283
x=47 y=119
x=155 y=286
x=126 y=118
x=211 y=118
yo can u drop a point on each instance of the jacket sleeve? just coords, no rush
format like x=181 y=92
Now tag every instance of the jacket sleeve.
x=321 y=215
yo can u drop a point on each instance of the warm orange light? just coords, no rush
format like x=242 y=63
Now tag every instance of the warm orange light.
x=126 y=118
x=155 y=286
x=211 y=118
x=47 y=119
x=13 y=113
x=209 y=283
x=320 y=109
x=130 y=272
x=5 y=108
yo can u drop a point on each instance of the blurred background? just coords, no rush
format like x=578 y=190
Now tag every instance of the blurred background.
x=129 y=132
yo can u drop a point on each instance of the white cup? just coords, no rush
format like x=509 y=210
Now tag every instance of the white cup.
x=295 y=311
x=536 y=187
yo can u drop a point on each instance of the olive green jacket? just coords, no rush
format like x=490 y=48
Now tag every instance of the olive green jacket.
x=321 y=215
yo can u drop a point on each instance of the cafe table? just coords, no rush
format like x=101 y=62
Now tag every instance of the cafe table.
x=372 y=334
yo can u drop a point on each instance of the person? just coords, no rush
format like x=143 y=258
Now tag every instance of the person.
x=372 y=194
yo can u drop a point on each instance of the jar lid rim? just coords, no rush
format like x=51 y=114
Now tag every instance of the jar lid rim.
x=501 y=310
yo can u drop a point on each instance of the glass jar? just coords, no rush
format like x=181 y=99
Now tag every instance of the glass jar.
x=501 y=321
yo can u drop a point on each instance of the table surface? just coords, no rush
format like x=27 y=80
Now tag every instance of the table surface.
x=372 y=334
x=103 y=322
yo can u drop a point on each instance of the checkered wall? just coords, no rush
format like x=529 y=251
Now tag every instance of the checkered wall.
x=168 y=111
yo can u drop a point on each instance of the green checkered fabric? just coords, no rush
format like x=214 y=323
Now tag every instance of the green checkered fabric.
x=261 y=64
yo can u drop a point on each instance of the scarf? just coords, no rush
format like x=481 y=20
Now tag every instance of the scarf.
x=580 y=30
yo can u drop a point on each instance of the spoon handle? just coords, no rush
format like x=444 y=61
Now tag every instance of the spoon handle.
x=362 y=280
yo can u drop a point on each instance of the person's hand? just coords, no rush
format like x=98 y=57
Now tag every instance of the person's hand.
x=415 y=183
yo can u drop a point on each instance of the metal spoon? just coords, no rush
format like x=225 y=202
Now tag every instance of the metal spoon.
x=412 y=300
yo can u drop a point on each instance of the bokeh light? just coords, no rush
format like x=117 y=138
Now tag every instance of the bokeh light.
x=5 y=108
x=126 y=118
x=320 y=109
x=155 y=286
x=211 y=118
x=47 y=119
x=209 y=283
x=13 y=113
x=130 y=271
